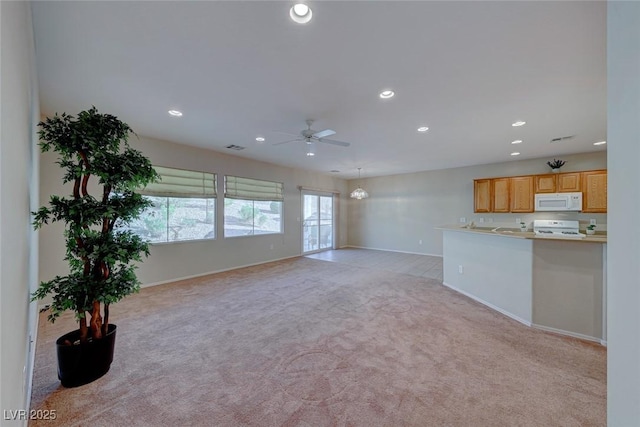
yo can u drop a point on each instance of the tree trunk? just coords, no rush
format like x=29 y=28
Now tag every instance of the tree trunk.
x=84 y=331
x=96 y=321
x=105 y=324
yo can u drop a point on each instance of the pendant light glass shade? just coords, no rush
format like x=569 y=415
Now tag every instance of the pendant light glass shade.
x=359 y=193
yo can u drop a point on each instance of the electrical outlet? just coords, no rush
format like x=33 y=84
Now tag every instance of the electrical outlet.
x=463 y=219
x=420 y=241
x=489 y=219
x=592 y=221
x=481 y=220
x=271 y=247
x=460 y=269
x=518 y=220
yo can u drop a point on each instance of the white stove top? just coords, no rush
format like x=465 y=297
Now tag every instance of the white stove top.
x=557 y=229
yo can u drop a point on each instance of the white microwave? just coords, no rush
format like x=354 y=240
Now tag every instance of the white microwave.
x=558 y=202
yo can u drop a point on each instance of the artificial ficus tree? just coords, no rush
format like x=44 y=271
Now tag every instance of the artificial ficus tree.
x=101 y=255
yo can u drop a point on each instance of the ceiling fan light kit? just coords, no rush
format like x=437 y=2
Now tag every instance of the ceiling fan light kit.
x=311 y=149
x=359 y=193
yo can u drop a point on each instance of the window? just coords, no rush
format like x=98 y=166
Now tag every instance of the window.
x=184 y=207
x=252 y=206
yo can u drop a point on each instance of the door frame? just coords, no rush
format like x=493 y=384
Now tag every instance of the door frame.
x=334 y=212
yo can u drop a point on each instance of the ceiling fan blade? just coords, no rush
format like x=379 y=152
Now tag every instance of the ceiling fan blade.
x=284 y=142
x=334 y=142
x=323 y=133
x=287 y=133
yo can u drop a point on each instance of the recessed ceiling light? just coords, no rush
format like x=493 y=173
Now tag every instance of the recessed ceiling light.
x=423 y=129
x=175 y=113
x=334 y=171
x=517 y=141
x=600 y=143
x=260 y=138
x=518 y=123
x=515 y=153
x=300 y=13
x=386 y=94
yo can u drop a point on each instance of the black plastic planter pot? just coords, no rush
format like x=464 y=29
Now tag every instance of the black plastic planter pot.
x=79 y=364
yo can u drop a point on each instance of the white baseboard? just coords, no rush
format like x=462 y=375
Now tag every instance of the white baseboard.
x=569 y=333
x=193 y=276
x=390 y=250
x=32 y=358
x=525 y=322
x=43 y=306
x=488 y=304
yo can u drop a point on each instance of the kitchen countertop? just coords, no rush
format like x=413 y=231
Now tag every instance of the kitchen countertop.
x=515 y=233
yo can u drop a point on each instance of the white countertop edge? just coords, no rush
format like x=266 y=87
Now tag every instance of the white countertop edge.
x=520 y=234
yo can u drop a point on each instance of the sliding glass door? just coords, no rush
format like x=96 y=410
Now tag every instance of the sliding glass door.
x=317 y=226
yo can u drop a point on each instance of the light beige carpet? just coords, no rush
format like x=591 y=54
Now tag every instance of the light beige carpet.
x=304 y=342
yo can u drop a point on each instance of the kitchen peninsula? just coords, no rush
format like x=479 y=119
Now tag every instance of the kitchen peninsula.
x=555 y=284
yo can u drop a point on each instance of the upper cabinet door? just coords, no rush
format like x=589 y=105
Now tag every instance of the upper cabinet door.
x=482 y=195
x=545 y=183
x=594 y=191
x=500 y=189
x=569 y=182
x=522 y=194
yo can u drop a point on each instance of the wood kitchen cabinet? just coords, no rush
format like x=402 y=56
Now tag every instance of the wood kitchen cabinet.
x=569 y=182
x=545 y=183
x=594 y=191
x=517 y=193
x=482 y=195
x=500 y=191
x=521 y=194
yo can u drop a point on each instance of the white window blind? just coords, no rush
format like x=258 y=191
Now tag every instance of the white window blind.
x=252 y=189
x=182 y=183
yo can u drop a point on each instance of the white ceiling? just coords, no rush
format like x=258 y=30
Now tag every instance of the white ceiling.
x=239 y=69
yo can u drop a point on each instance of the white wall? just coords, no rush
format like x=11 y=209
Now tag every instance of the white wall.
x=180 y=260
x=623 y=280
x=403 y=209
x=18 y=192
x=496 y=270
x=568 y=287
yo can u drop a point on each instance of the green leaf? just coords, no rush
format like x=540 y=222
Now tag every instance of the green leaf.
x=94 y=144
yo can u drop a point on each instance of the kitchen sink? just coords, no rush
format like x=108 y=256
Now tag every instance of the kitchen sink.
x=505 y=230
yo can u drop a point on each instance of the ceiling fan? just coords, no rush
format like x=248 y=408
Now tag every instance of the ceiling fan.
x=309 y=136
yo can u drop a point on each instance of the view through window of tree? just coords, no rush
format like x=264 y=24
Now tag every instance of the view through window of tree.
x=248 y=217
x=252 y=207
x=172 y=219
x=184 y=207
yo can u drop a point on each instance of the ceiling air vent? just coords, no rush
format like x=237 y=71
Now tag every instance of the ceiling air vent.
x=562 y=138
x=235 y=147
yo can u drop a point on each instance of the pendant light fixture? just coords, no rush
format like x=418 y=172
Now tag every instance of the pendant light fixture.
x=359 y=193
